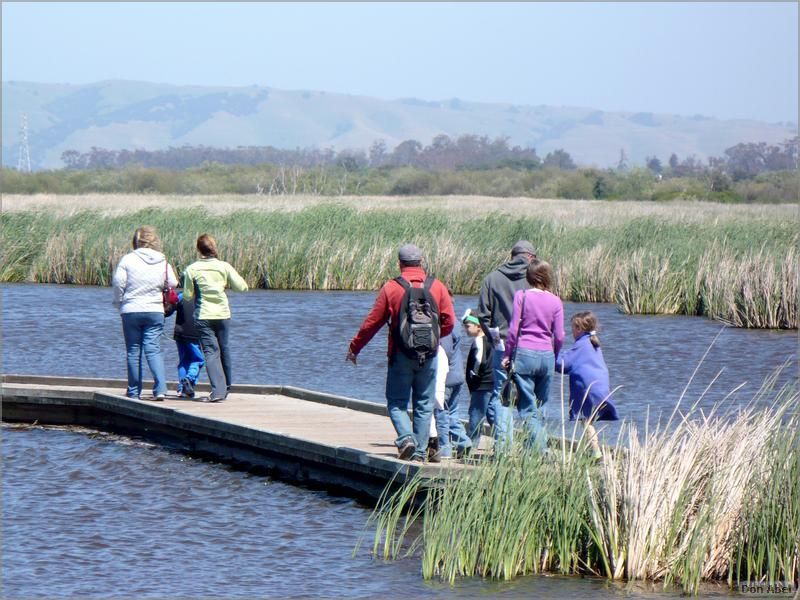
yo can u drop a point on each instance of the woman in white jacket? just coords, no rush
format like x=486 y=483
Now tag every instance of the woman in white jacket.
x=138 y=283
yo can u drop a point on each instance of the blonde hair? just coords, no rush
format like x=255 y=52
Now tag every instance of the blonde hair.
x=146 y=237
x=587 y=321
x=207 y=245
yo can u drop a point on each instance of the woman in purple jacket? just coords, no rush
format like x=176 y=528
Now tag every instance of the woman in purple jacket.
x=535 y=335
x=588 y=378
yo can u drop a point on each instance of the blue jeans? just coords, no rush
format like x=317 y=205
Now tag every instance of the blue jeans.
x=534 y=373
x=142 y=332
x=449 y=427
x=190 y=361
x=498 y=415
x=406 y=377
x=478 y=403
x=214 y=342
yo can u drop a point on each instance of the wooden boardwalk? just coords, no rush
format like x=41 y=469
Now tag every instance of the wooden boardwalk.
x=302 y=436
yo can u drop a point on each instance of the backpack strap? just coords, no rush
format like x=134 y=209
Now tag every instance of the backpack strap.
x=395 y=324
x=406 y=285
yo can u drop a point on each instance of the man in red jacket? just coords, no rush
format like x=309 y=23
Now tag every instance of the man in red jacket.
x=406 y=376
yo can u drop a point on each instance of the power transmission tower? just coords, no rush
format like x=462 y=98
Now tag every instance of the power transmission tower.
x=24 y=162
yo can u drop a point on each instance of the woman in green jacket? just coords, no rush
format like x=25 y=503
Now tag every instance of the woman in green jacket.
x=205 y=281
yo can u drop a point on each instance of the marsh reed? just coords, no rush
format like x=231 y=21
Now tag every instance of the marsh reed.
x=741 y=270
x=704 y=497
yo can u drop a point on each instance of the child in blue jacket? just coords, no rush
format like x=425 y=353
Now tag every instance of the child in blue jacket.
x=588 y=378
x=187 y=341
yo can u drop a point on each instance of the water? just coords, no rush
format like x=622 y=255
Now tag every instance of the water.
x=301 y=338
x=93 y=515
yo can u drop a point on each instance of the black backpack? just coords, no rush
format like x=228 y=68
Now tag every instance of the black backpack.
x=417 y=329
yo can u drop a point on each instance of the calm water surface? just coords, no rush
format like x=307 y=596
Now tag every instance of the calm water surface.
x=94 y=515
x=301 y=338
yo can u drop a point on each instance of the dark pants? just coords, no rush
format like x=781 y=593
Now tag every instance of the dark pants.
x=214 y=341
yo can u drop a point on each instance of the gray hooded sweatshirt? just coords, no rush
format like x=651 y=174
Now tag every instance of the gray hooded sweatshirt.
x=496 y=298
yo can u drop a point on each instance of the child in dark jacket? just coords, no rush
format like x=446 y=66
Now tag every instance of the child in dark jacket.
x=187 y=340
x=589 y=394
x=479 y=376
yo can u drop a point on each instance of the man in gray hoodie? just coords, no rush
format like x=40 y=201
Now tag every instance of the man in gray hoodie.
x=495 y=302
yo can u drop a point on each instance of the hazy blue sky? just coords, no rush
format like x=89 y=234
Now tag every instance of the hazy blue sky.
x=728 y=60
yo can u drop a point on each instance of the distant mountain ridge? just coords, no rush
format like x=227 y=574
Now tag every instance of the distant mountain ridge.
x=128 y=115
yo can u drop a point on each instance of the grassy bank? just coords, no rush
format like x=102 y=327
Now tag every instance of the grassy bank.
x=713 y=498
x=736 y=264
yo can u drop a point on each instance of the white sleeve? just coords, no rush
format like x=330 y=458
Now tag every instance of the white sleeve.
x=442 y=368
x=118 y=283
x=172 y=281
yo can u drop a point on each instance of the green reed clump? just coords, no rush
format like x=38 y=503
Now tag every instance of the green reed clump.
x=706 y=497
x=499 y=519
x=768 y=541
x=741 y=273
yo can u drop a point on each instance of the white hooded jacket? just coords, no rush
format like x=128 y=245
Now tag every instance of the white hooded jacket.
x=139 y=280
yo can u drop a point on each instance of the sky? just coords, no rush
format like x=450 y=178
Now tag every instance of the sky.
x=719 y=59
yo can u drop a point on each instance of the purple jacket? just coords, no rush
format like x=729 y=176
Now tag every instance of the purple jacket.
x=588 y=381
x=542 y=324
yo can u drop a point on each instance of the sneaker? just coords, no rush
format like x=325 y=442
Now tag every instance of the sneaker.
x=463 y=451
x=433 y=450
x=406 y=449
x=209 y=399
x=159 y=397
x=187 y=389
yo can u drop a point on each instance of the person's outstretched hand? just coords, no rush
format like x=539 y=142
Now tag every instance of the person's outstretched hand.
x=352 y=358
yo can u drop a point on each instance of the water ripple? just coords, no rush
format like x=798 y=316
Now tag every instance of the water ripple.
x=95 y=517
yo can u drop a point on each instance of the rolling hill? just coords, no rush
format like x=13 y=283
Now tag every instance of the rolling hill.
x=130 y=114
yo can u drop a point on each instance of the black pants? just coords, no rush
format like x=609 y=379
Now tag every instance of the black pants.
x=214 y=342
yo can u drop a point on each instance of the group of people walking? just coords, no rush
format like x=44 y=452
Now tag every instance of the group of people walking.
x=517 y=331
x=202 y=317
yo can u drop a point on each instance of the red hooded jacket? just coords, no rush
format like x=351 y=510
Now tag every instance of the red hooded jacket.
x=387 y=308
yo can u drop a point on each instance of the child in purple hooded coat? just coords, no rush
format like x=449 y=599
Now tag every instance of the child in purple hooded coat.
x=588 y=378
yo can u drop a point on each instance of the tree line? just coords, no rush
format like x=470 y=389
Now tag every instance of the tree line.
x=467 y=165
x=742 y=161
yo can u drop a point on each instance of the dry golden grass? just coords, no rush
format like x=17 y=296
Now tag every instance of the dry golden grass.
x=735 y=263
x=567 y=212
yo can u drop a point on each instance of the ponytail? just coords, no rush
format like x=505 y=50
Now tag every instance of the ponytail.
x=587 y=322
x=594 y=339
